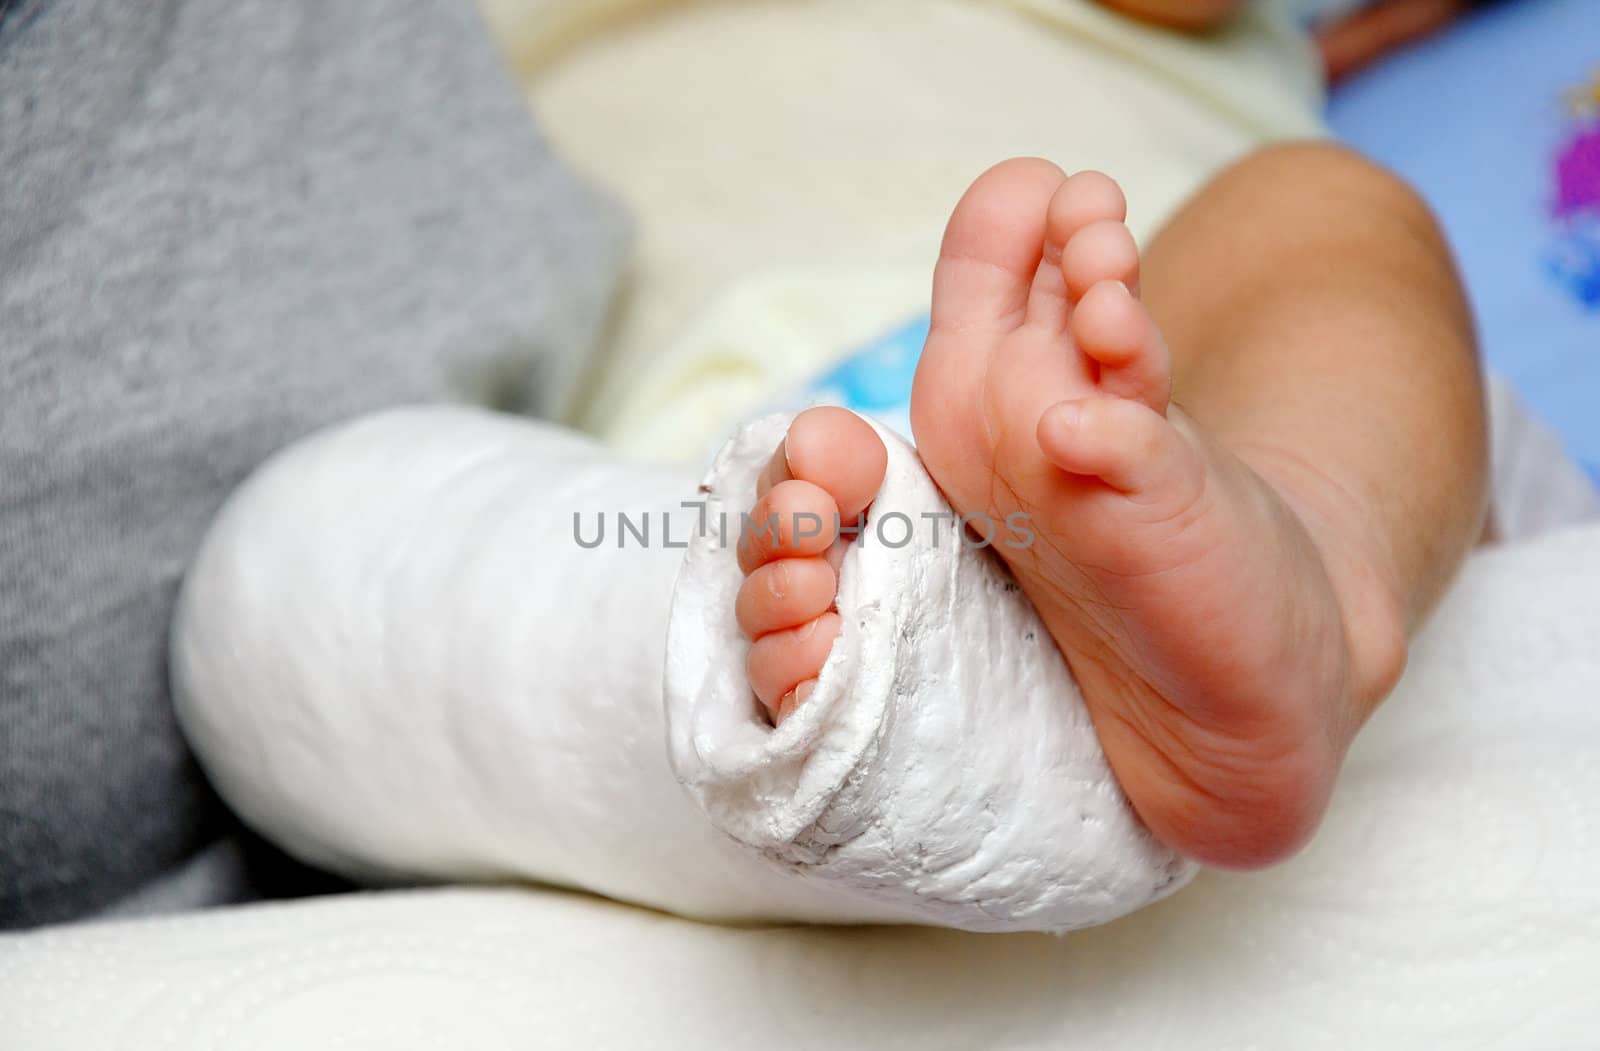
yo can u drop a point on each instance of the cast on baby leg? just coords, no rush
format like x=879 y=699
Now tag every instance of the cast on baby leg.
x=939 y=759
x=387 y=658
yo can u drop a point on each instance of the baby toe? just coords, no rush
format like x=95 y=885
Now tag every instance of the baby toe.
x=784 y=594
x=782 y=660
x=1117 y=332
x=1101 y=251
x=795 y=519
x=839 y=451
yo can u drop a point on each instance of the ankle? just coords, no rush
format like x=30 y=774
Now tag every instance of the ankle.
x=1376 y=637
x=1372 y=607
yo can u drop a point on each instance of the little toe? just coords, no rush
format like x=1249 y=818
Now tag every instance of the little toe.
x=782 y=660
x=1086 y=198
x=1102 y=251
x=1123 y=443
x=785 y=594
x=1117 y=332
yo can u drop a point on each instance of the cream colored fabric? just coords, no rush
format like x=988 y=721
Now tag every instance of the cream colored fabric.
x=792 y=162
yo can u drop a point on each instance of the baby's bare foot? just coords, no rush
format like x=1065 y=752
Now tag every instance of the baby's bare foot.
x=825 y=474
x=1191 y=603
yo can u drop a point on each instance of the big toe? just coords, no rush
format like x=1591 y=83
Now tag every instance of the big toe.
x=993 y=244
x=837 y=451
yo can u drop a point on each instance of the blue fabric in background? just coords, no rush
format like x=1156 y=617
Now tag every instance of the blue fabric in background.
x=1478 y=119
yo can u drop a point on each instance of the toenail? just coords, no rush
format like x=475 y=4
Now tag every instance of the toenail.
x=1067 y=414
x=791 y=700
x=778 y=579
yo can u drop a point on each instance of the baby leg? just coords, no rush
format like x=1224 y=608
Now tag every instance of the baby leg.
x=1254 y=458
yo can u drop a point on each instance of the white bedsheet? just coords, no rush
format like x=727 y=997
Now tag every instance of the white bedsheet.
x=1451 y=900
